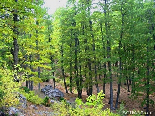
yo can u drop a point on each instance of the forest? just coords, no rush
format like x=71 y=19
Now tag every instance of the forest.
x=87 y=46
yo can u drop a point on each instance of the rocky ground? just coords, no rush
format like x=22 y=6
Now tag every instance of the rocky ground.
x=41 y=110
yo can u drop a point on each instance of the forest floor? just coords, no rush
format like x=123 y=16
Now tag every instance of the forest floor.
x=129 y=104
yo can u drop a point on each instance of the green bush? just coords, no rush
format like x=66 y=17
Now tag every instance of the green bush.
x=1 y=95
x=27 y=90
x=46 y=101
x=46 y=75
x=123 y=112
x=1 y=91
x=93 y=107
x=8 y=88
x=32 y=97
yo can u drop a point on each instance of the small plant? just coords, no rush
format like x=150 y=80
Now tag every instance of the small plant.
x=93 y=107
x=8 y=88
x=62 y=99
x=122 y=110
x=32 y=97
x=46 y=101
x=27 y=90
x=46 y=75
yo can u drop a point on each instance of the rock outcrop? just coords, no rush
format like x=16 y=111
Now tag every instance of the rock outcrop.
x=14 y=111
x=22 y=100
x=52 y=93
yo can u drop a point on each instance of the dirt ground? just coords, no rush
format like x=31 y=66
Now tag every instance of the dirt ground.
x=130 y=104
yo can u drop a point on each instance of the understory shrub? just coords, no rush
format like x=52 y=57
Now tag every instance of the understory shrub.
x=46 y=75
x=46 y=101
x=30 y=96
x=93 y=107
x=27 y=90
x=123 y=112
x=8 y=88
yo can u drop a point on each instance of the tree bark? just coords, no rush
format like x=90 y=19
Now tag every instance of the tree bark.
x=107 y=28
x=120 y=58
x=15 y=44
x=62 y=69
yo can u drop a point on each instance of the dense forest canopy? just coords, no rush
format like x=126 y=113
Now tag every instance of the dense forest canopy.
x=86 y=43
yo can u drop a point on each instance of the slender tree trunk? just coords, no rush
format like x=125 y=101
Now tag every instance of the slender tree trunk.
x=53 y=74
x=31 y=68
x=26 y=75
x=38 y=77
x=15 y=44
x=151 y=28
x=97 y=87
x=104 y=78
x=71 y=83
x=62 y=68
x=52 y=68
x=76 y=69
x=80 y=83
x=133 y=71
x=71 y=78
x=120 y=59
x=90 y=78
x=107 y=28
x=38 y=56
x=53 y=81
x=147 y=82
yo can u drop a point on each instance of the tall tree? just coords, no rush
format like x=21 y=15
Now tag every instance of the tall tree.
x=15 y=42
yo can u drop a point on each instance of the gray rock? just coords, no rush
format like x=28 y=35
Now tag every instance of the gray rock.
x=34 y=107
x=46 y=88
x=54 y=101
x=46 y=113
x=22 y=100
x=13 y=111
x=2 y=113
x=52 y=93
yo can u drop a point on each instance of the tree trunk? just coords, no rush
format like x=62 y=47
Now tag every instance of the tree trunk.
x=62 y=69
x=90 y=78
x=120 y=59
x=38 y=56
x=71 y=78
x=107 y=28
x=31 y=68
x=133 y=71
x=15 y=44
x=103 y=45
x=76 y=69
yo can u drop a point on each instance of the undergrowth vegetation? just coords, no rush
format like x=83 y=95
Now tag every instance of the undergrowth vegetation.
x=8 y=88
x=93 y=107
x=30 y=96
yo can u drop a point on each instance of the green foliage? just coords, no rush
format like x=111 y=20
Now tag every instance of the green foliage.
x=1 y=95
x=46 y=101
x=121 y=32
x=96 y=101
x=80 y=36
x=32 y=97
x=122 y=110
x=46 y=75
x=93 y=107
x=8 y=88
x=27 y=90
x=1 y=91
